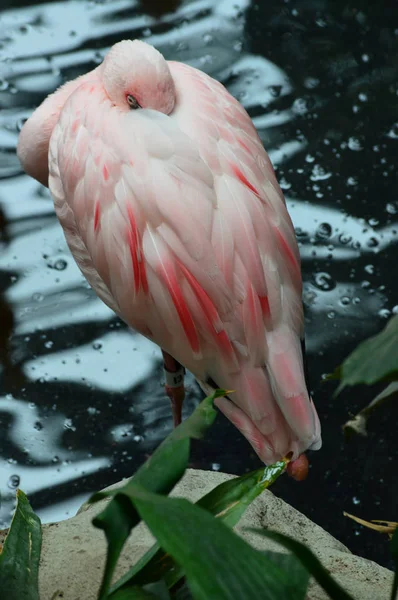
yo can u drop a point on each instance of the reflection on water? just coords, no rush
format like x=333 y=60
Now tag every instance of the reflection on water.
x=82 y=400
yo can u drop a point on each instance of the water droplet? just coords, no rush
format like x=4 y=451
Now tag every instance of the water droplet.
x=215 y=466
x=284 y=184
x=369 y=269
x=300 y=233
x=68 y=424
x=37 y=297
x=49 y=344
x=393 y=133
x=351 y=181
x=38 y=426
x=302 y=105
x=356 y=500
x=13 y=481
x=97 y=345
x=345 y=300
x=384 y=313
x=372 y=242
x=344 y=238
x=324 y=281
x=60 y=264
x=311 y=82
x=392 y=208
x=354 y=144
x=331 y=314
x=323 y=231
x=309 y=297
x=98 y=58
x=319 y=173
x=275 y=90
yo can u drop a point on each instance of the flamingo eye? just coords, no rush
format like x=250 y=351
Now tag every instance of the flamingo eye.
x=132 y=102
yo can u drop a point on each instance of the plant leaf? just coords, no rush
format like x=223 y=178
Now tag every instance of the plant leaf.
x=375 y=359
x=158 y=474
x=228 y=501
x=381 y=526
x=19 y=559
x=217 y=562
x=134 y=593
x=117 y=521
x=309 y=561
x=155 y=591
x=394 y=552
x=358 y=423
x=298 y=574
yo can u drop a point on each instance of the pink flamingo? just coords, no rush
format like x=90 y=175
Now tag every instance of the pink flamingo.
x=171 y=209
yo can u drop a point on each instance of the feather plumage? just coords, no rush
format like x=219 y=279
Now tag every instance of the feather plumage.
x=179 y=224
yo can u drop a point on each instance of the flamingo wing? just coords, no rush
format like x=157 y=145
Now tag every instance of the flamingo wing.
x=179 y=225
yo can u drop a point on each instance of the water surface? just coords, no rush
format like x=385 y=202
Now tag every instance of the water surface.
x=82 y=401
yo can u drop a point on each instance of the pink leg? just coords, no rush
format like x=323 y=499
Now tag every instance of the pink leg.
x=174 y=387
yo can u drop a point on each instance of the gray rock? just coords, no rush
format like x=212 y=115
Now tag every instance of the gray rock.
x=73 y=554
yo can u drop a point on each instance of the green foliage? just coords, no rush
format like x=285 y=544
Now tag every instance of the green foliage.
x=211 y=554
x=309 y=561
x=228 y=501
x=19 y=559
x=197 y=555
x=374 y=360
x=158 y=474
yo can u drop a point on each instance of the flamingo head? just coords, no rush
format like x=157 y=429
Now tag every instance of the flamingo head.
x=135 y=75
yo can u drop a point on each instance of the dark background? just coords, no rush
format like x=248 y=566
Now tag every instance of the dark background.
x=82 y=403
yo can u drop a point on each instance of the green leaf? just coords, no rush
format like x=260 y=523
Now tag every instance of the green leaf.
x=19 y=559
x=357 y=424
x=309 y=561
x=117 y=521
x=394 y=552
x=134 y=593
x=375 y=359
x=218 y=563
x=156 y=591
x=298 y=574
x=158 y=474
x=228 y=501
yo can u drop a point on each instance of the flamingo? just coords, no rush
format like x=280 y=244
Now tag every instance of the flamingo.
x=171 y=209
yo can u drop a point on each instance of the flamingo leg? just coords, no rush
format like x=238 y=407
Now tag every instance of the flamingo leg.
x=174 y=387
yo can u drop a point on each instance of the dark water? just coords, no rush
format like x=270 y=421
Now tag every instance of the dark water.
x=82 y=401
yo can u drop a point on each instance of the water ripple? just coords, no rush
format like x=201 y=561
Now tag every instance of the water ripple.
x=83 y=401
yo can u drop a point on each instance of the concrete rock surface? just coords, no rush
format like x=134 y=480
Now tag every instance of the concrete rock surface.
x=73 y=553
